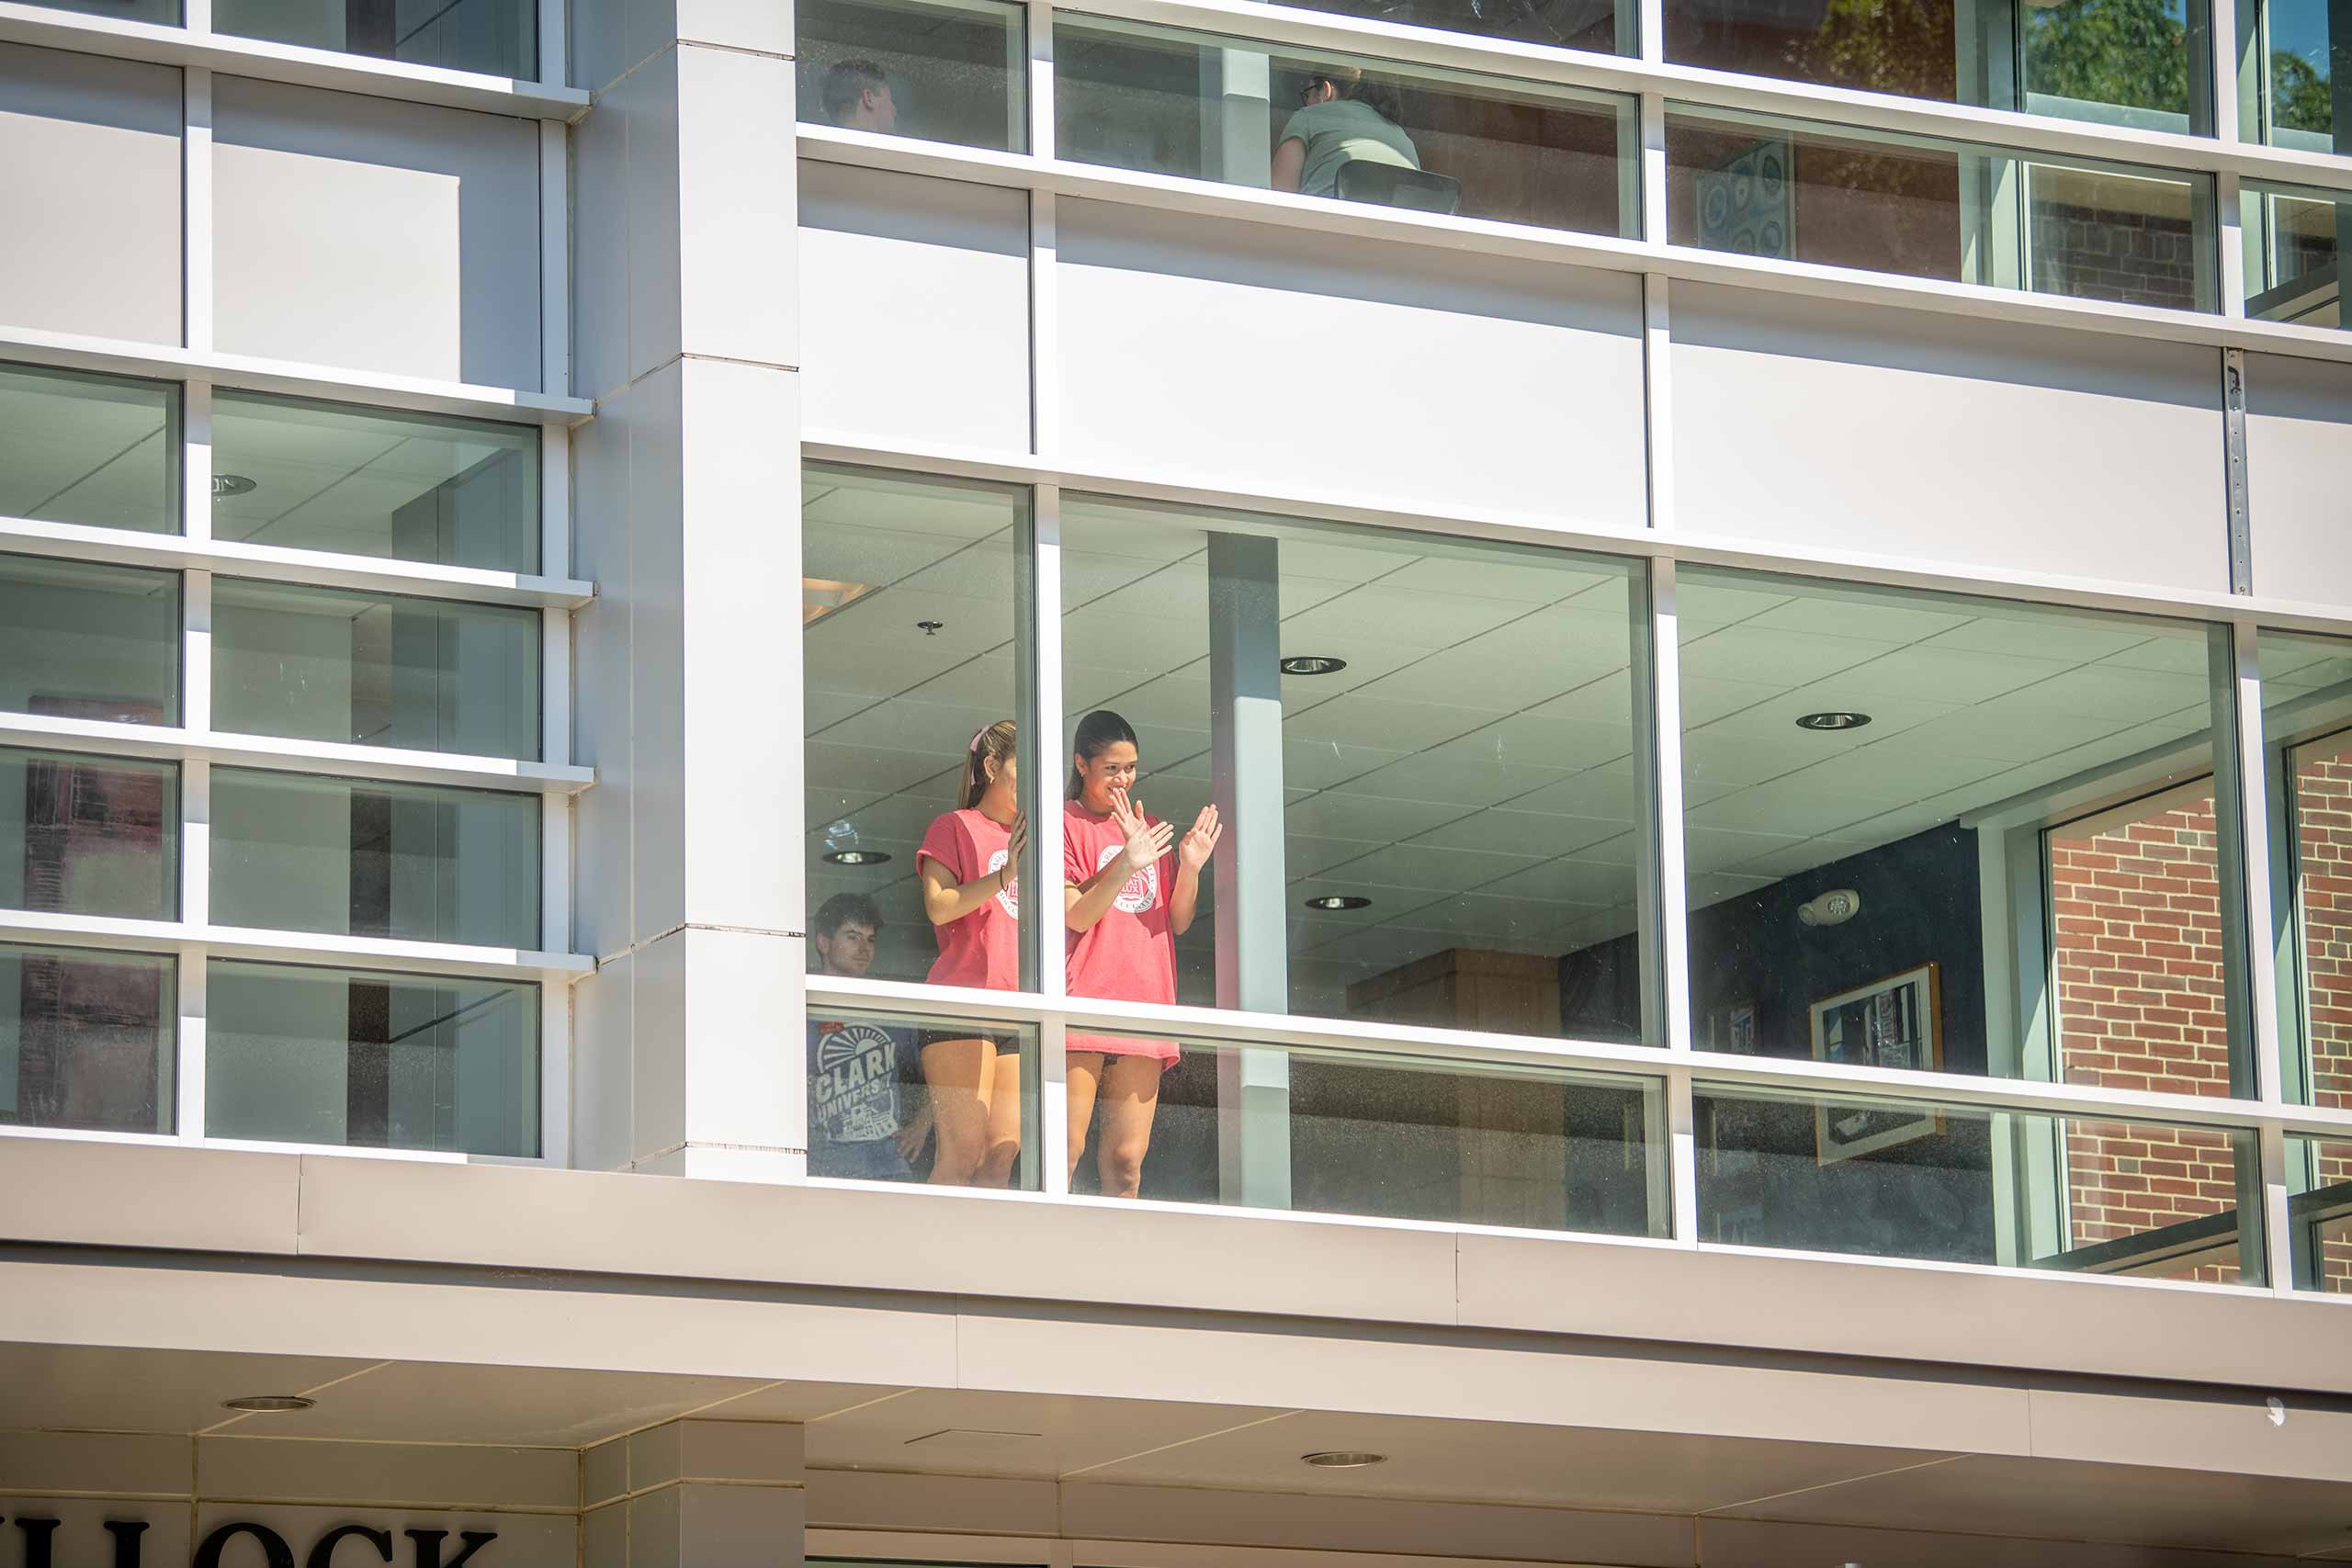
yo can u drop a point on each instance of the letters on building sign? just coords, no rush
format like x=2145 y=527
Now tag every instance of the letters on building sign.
x=277 y=1552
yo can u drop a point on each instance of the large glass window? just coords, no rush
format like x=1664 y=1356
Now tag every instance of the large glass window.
x=354 y=858
x=370 y=483
x=895 y=1097
x=499 y=38
x=86 y=1039
x=1958 y=835
x=1964 y=1184
x=371 y=1060
x=2291 y=247
x=2137 y=62
x=1216 y=108
x=89 y=835
x=2319 y=1213
x=2286 y=54
x=79 y=640
x=1420 y=754
x=375 y=668
x=2307 y=735
x=1793 y=191
x=98 y=450
x=907 y=600
x=942 y=70
x=1363 y=1133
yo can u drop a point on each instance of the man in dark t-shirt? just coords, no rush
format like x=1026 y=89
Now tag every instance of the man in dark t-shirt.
x=865 y=1121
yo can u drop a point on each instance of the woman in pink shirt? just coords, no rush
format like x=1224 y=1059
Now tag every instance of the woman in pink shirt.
x=1128 y=898
x=967 y=866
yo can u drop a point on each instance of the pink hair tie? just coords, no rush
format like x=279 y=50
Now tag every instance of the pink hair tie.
x=977 y=737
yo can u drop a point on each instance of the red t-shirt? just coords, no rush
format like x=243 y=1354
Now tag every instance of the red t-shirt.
x=1129 y=954
x=983 y=949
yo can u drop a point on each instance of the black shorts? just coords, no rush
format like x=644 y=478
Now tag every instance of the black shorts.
x=1006 y=1044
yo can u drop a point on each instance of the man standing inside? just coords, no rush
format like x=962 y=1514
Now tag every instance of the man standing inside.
x=864 y=1122
x=857 y=98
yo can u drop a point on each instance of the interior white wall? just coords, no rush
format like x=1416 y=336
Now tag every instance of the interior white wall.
x=915 y=307
x=1807 y=423
x=89 y=195
x=2298 y=455
x=1290 y=361
x=377 y=235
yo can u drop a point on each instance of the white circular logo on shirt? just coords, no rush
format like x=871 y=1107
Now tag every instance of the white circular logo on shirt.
x=1142 y=890
x=1008 y=896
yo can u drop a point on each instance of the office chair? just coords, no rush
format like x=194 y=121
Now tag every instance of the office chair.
x=1417 y=190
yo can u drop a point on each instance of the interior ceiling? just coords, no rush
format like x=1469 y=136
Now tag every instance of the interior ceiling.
x=1163 y=1443
x=1471 y=771
x=317 y=473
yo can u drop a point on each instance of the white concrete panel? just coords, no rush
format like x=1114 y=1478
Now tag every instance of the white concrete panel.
x=377 y=235
x=736 y=298
x=601 y=654
x=603 y=1029
x=915 y=307
x=1292 y=361
x=647 y=101
x=94 y=1461
x=1909 y=434
x=599 y=252
x=308 y=1470
x=2298 y=451
x=90 y=166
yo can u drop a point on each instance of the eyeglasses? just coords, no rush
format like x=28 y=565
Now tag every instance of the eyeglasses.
x=1306 y=93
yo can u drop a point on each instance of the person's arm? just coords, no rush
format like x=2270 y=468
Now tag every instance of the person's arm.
x=945 y=900
x=1199 y=843
x=1290 y=162
x=1083 y=902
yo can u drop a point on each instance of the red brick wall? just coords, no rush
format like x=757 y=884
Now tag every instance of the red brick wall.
x=2140 y=1006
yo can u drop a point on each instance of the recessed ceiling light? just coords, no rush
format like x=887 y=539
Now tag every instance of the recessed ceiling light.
x=1312 y=664
x=262 y=1404
x=930 y=629
x=856 y=857
x=232 y=484
x=1342 y=1459
x=1836 y=719
x=1338 y=901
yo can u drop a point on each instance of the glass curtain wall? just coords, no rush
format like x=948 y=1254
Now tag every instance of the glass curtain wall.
x=2307 y=744
x=1200 y=106
x=2291 y=239
x=1787 y=190
x=361 y=481
x=2135 y=62
x=89 y=835
x=86 y=1039
x=1945 y=834
x=939 y=70
x=97 y=450
x=371 y=1060
x=2287 y=55
x=81 y=640
x=499 y=38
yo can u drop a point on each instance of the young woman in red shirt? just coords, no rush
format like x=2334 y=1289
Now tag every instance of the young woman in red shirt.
x=967 y=865
x=1129 y=896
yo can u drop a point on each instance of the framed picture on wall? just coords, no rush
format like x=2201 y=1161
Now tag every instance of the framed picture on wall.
x=1894 y=1023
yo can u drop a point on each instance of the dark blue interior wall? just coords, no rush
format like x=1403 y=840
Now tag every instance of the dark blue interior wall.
x=1761 y=1175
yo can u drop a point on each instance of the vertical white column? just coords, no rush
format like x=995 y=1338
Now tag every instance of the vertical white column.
x=2223 y=15
x=2229 y=224
x=555 y=43
x=1657 y=398
x=2260 y=973
x=1045 y=315
x=188 y=1121
x=195 y=461
x=1252 y=925
x=1673 y=898
x=1655 y=211
x=1040 y=895
x=196 y=196
x=707 y=1494
x=555 y=256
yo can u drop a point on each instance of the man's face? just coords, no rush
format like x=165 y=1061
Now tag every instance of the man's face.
x=849 y=950
x=876 y=110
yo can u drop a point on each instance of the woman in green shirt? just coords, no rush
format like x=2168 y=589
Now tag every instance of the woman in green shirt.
x=1344 y=118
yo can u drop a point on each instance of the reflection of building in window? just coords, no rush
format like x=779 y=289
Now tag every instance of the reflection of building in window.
x=2324 y=885
x=88 y=1039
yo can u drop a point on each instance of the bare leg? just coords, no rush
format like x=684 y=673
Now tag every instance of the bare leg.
x=1129 y=1099
x=1085 y=1071
x=960 y=1075
x=1003 y=1132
